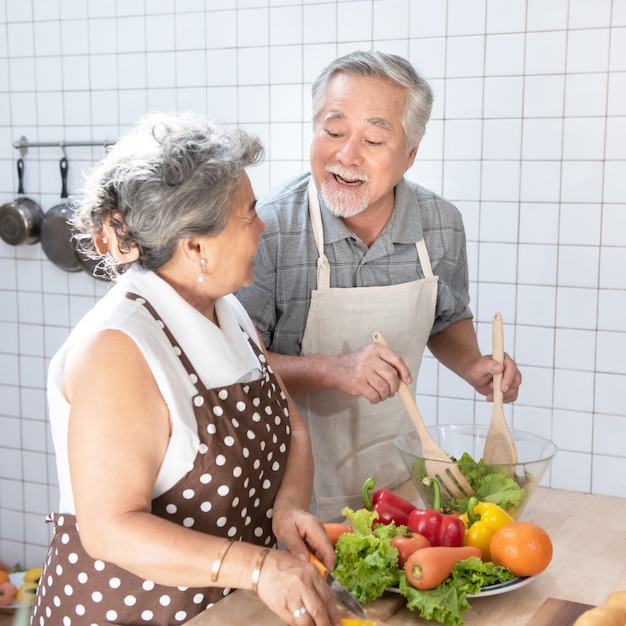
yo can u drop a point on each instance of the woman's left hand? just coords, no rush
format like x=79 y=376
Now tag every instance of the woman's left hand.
x=301 y=533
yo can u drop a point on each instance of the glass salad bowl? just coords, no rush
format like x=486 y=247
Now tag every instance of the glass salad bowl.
x=510 y=486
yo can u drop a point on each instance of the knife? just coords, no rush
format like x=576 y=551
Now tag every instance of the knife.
x=340 y=593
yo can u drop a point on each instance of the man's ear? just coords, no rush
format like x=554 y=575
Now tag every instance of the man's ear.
x=411 y=157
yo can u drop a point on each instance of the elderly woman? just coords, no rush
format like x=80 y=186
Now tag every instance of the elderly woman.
x=181 y=459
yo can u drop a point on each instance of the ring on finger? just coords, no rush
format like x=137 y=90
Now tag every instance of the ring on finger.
x=299 y=612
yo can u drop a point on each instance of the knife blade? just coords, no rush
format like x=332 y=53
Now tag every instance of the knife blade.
x=340 y=593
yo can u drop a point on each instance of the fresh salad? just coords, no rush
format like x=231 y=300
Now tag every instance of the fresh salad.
x=490 y=484
x=367 y=564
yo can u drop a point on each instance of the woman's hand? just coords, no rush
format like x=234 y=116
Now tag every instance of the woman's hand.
x=296 y=592
x=301 y=533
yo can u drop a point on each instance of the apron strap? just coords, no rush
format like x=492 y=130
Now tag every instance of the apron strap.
x=323 y=267
x=422 y=254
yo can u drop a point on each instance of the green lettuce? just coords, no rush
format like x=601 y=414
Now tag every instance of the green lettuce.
x=490 y=485
x=367 y=563
x=488 y=482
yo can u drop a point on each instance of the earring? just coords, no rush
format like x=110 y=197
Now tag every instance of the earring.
x=202 y=264
x=105 y=240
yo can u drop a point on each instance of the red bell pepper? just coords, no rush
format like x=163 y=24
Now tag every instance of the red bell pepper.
x=390 y=507
x=439 y=528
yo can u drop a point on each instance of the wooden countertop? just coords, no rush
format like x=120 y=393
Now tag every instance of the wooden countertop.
x=589 y=537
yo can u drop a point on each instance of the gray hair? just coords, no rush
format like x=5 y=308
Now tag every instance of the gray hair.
x=172 y=176
x=390 y=67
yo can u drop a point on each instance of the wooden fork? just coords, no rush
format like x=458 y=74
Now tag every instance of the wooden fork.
x=438 y=464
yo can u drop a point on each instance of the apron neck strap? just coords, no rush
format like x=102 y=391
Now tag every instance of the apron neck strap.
x=323 y=268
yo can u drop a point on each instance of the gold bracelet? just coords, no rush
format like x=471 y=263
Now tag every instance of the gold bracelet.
x=256 y=572
x=215 y=570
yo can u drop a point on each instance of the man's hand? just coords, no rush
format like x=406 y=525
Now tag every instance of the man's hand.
x=373 y=372
x=482 y=371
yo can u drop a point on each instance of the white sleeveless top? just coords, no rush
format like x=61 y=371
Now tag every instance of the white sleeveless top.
x=220 y=355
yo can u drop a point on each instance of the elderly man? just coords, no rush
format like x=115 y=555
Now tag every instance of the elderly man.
x=353 y=247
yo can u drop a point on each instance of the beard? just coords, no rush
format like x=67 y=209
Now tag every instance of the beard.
x=344 y=202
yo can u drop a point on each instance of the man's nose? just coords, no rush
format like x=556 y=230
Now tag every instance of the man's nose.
x=350 y=152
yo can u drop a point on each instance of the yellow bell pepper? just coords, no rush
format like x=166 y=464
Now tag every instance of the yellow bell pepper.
x=481 y=522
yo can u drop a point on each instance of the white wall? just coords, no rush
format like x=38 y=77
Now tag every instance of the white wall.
x=528 y=138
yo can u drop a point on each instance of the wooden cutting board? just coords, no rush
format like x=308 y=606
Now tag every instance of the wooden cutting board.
x=555 y=612
x=248 y=609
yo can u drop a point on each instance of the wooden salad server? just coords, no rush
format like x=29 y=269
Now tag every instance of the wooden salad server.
x=438 y=464
x=499 y=445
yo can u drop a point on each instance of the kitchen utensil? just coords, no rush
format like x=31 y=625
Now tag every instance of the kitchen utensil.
x=56 y=230
x=20 y=220
x=340 y=593
x=556 y=612
x=438 y=464
x=499 y=447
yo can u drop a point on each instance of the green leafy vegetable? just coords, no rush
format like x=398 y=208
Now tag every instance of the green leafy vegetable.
x=490 y=485
x=447 y=602
x=366 y=561
x=488 y=482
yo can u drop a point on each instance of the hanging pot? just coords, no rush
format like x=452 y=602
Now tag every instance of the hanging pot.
x=91 y=266
x=20 y=220
x=56 y=238
x=56 y=231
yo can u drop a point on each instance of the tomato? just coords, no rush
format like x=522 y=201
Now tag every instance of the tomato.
x=406 y=546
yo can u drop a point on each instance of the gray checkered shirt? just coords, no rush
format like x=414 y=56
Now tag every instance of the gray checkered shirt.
x=286 y=262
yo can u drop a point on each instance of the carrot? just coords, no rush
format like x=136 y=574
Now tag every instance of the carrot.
x=429 y=567
x=334 y=530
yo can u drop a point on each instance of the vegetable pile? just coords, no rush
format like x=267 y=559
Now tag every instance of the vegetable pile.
x=380 y=547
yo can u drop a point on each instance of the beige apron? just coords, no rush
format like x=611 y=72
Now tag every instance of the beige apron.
x=353 y=439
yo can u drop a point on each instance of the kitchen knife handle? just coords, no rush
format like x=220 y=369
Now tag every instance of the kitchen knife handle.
x=321 y=568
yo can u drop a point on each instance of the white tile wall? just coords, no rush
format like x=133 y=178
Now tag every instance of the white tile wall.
x=527 y=137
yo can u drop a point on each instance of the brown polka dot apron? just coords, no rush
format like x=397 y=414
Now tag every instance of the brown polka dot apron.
x=244 y=433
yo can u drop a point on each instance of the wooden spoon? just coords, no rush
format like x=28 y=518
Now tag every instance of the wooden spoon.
x=499 y=445
x=438 y=464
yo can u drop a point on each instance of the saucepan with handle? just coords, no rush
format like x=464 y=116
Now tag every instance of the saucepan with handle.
x=21 y=219
x=56 y=230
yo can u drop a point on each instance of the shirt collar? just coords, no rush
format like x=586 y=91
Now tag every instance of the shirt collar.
x=403 y=227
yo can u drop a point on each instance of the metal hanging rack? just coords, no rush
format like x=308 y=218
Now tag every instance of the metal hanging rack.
x=23 y=144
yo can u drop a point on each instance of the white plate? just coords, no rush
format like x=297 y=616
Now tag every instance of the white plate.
x=494 y=590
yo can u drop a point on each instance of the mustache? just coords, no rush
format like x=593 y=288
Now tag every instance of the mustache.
x=347 y=173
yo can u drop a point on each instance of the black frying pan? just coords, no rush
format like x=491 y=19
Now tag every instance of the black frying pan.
x=56 y=232
x=20 y=220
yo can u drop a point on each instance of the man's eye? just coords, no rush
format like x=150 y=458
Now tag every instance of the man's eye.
x=332 y=135
x=374 y=143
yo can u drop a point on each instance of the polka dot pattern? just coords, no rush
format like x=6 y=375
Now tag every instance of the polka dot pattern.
x=244 y=433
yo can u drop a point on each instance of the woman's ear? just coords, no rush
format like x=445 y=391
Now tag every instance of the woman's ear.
x=192 y=249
